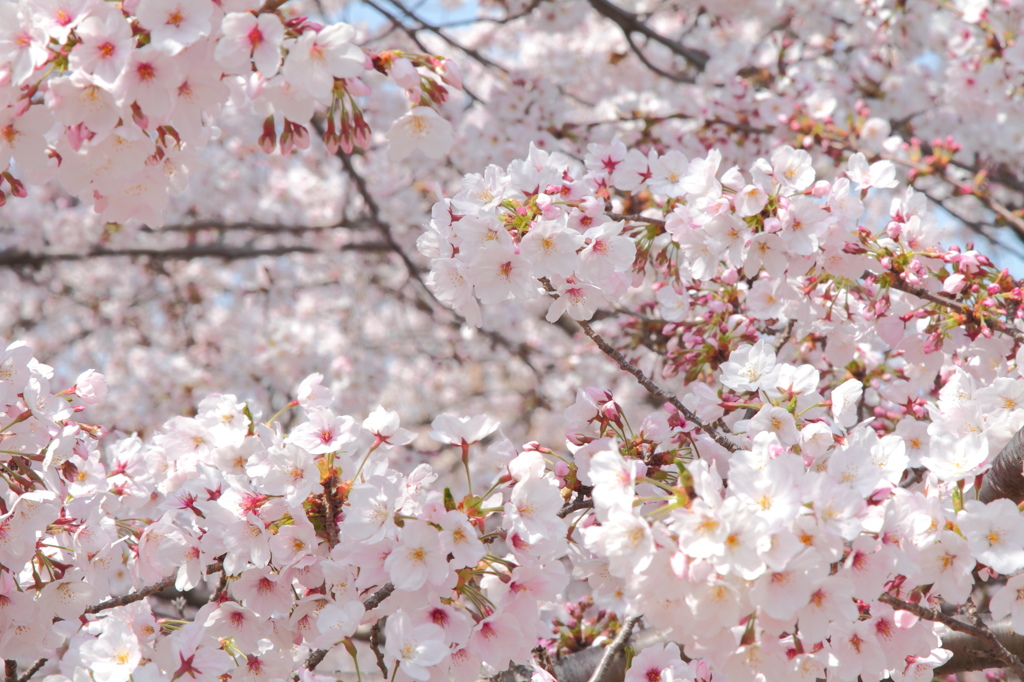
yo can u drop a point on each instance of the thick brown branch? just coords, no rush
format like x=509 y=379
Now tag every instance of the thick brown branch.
x=331 y=511
x=1005 y=479
x=631 y=23
x=33 y=670
x=980 y=631
x=28 y=259
x=967 y=657
x=614 y=649
x=257 y=228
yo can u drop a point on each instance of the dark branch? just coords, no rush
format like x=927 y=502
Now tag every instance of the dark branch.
x=959 y=308
x=15 y=258
x=631 y=23
x=261 y=228
x=317 y=657
x=614 y=649
x=979 y=631
x=655 y=390
x=33 y=670
x=1005 y=479
x=144 y=592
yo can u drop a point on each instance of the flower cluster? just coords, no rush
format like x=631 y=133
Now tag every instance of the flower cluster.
x=115 y=100
x=778 y=497
x=314 y=530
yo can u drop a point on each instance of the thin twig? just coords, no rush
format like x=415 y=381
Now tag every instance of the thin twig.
x=655 y=390
x=270 y=6
x=783 y=336
x=144 y=592
x=617 y=645
x=631 y=23
x=10 y=670
x=1000 y=326
x=636 y=217
x=33 y=670
x=579 y=502
x=375 y=646
x=315 y=658
x=978 y=630
x=377 y=597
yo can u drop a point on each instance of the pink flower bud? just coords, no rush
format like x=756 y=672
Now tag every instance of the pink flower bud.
x=268 y=140
x=450 y=73
x=356 y=87
x=405 y=74
x=91 y=387
x=17 y=186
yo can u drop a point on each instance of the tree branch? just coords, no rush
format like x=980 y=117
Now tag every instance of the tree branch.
x=655 y=390
x=260 y=228
x=33 y=670
x=615 y=648
x=1000 y=326
x=1006 y=477
x=631 y=23
x=145 y=592
x=980 y=631
x=27 y=259
x=317 y=657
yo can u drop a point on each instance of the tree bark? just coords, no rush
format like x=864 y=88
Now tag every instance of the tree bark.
x=1005 y=479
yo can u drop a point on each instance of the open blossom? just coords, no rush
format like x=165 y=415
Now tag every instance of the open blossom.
x=22 y=42
x=115 y=654
x=499 y=274
x=624 y=539
x=59 y=17
x=22 y=138
x=151 y=80
x=91 y=387
x=316 y=58
x=995 y=533
x=175 y=24
x=421 y=128
x=792 y=169
x=324 y=432
x=880 y=174
x=105 y=45
x=414 y=648
x=747 y=365
x=551 y=247
x=246 y=39
x=606 y=252
x=384 y=424
x=447 y=428
x=417 y=559
x=580 y=300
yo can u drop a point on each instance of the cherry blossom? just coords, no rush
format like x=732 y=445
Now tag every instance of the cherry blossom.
x=791 y=449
